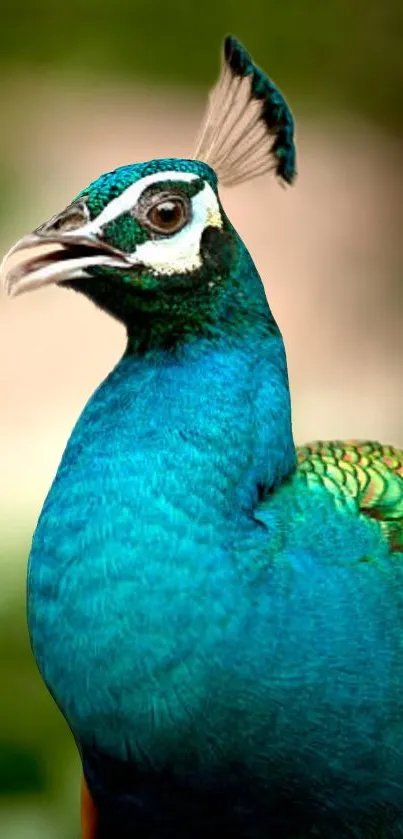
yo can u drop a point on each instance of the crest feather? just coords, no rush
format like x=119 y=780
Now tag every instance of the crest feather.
x=248 y=129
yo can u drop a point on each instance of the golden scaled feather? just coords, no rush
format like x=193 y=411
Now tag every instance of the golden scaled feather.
x=365 y=476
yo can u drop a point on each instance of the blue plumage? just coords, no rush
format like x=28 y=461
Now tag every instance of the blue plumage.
x=185 y=629
x=222 y=632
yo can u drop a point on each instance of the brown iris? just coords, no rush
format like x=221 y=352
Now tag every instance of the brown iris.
x=167 y=216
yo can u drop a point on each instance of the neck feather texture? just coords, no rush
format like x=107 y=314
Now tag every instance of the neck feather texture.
x=159 y=480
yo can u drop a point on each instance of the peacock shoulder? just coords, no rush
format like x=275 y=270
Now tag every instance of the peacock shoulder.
x=366 y=477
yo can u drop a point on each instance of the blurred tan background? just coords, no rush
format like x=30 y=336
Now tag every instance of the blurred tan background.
x=101 y=86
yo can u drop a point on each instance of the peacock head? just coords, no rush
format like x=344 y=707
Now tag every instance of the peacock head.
x=152 y=240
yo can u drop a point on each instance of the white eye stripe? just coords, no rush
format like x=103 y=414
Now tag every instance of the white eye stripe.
x=129 y=198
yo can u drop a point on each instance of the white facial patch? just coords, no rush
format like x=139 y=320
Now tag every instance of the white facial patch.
x=175 y=254
x=180 y=253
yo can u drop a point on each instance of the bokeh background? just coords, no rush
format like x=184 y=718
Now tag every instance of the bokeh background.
x=87 y=86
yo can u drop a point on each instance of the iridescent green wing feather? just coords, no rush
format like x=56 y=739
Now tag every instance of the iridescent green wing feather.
x=365 y=476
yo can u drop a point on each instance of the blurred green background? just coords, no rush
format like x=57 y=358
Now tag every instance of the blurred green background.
x=88 y=85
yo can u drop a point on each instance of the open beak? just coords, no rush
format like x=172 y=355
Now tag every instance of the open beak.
x=72 y=249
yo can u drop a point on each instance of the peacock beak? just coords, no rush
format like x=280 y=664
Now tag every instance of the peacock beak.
x=68 y=247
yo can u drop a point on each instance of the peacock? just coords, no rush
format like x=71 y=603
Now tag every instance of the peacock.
x=217 y=613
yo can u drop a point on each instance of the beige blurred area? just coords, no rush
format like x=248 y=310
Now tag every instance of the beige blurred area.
x=329 y=250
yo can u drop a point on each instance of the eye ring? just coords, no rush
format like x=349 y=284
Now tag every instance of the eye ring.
x=168 y=215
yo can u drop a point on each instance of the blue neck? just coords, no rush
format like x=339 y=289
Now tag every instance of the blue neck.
x=215 y=405
x=158 y=482
x=216 y=416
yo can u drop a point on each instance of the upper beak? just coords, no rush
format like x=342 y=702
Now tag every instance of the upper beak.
x=74 y=249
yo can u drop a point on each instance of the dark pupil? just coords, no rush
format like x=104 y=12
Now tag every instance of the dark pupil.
x=168 y=212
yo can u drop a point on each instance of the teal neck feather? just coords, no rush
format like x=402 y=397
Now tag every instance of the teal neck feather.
x=223 y=299
x=182 y=442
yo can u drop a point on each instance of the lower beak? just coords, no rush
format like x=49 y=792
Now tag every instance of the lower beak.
x=68 y=256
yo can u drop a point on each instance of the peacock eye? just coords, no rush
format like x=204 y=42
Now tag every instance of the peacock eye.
x=168 y=216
